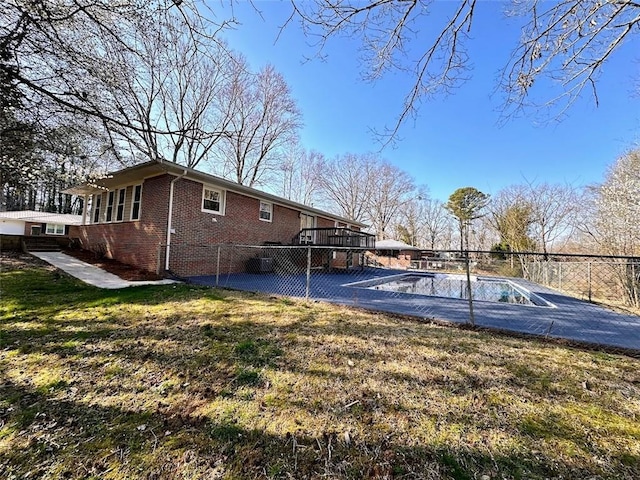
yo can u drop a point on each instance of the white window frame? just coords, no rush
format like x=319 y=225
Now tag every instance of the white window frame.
x=221 y=195
x=133 y=202
x=54 y=229
x=269 y=210
x=97 y=207
x=108 y=211
x=121 y=194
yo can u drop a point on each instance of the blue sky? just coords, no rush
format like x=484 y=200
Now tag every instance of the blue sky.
x=457 y=140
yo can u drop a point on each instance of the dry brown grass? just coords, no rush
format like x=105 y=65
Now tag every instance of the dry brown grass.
x=184 y=382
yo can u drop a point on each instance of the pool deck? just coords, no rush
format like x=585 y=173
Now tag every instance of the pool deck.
x=569 y=318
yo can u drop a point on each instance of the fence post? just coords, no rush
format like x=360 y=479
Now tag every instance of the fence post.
x=559 y=275
x=469 y=293
x=589 y=278
x=306 y=294
x=218 y=266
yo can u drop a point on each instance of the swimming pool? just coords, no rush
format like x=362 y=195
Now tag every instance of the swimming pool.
x=455 y=286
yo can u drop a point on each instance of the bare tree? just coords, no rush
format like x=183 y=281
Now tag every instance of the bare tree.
x=513 y=220
x=58 y=52
x=553 y=213
x=411 y=215
x=171 y=91
x=615 y=208
x=300 y=174
x=482 y=235
x=567 y=41
x=347 y=184
x=264 y=120
x=613 y=226
x=512 y=217
x=435 y=222
x=392 y=190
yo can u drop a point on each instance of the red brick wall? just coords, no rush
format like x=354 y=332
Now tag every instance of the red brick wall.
x=197 y=232
x=240 y=223
x=135 y=242
x=322 y=222
x=74 y=231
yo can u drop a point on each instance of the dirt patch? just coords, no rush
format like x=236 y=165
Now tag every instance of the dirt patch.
x=10 y=260
x=122 y=270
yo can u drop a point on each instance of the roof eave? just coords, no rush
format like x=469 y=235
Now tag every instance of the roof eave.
x=152 y=168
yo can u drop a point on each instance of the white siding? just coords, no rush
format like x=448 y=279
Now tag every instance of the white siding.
x=11 y=227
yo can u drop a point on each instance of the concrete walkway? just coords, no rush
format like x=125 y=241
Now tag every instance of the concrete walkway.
x=89 y=273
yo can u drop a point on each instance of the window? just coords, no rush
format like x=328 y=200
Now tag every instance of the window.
x=212 y=200
x=120 y=208
x=135 y=204
x=96 y=208
x=109 y=215
x=55 y=229
x=266 y=210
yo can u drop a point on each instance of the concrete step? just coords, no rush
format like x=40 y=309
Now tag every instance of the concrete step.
x=42 y=244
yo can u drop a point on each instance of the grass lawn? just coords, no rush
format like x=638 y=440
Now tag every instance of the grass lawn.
x=187 y=382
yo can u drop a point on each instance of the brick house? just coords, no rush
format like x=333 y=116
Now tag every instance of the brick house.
x=395 y=254
x=37 y=230
x=160 y=216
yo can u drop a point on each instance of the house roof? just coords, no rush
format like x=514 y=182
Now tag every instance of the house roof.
x=42 y=217
x=393 y=245
x=154 y=168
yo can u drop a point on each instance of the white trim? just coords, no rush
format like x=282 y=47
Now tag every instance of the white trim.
x=124 y=202
x=95 y=209
x=270 y=211
x=222 y=199
x=55 y=230
x=133 y=200
x=106 y=207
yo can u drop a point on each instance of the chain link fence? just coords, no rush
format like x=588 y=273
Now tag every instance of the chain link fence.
x=583 y=299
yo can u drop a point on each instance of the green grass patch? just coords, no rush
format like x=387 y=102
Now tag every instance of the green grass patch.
x=188 y=382
x=248 y=376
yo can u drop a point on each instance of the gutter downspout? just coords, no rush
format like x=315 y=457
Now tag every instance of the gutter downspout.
x=170 y=215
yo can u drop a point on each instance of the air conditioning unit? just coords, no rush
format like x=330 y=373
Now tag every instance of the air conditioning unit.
x=260 y=265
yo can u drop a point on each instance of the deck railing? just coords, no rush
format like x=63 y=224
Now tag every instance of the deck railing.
x=335 y=237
